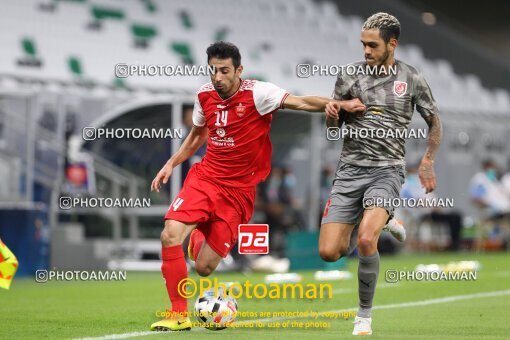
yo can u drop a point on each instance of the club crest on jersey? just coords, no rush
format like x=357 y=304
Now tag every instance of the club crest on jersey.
x=399 y=88
x=220 y=132
x=240 y=110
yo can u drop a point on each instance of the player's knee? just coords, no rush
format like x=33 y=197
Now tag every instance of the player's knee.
x=169 y=237
x=366 y=244
x=329 y=254
x=203 y=269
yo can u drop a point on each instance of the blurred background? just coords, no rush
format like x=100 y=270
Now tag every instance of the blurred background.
x=57 y=63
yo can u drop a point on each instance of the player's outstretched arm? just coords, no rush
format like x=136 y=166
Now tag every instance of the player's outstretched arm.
x=306 y=103
x=333 y=116
x=318 y=104
x=426 y=169
x=195 y=139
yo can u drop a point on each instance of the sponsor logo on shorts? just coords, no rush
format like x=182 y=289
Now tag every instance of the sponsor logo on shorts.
x=253 y=239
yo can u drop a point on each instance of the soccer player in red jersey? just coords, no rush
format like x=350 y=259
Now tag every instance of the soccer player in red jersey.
x=234 y=116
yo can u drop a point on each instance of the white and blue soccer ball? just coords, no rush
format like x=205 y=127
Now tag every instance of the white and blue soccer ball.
x=215 y=312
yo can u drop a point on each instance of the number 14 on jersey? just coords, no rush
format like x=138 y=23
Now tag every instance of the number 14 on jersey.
x=221 y=118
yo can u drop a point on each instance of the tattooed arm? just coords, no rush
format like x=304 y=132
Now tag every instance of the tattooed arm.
x=426 y=170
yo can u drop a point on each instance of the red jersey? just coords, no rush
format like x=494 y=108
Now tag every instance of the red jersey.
x=238 y=147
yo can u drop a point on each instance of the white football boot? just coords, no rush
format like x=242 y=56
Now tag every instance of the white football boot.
x=362 y=326
x=396 y=229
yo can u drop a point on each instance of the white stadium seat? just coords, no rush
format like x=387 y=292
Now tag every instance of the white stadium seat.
x=294 y=31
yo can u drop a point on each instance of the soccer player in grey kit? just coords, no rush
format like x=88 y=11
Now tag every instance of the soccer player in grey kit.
x=373 y=169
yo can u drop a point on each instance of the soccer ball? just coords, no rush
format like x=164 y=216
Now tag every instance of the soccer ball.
x=215 y=312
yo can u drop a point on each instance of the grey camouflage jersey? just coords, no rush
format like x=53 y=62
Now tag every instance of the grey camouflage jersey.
x=390 y=102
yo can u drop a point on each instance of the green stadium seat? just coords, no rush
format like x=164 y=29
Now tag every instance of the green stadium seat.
x=101 y=13
x=186 y=21
x=150 y=6
x=221 y=34
x=143 y=34
x=30 y=57
x=184 y=51
x=28 y=46
x=119 y=83
x=75 y=66
x=143 y=31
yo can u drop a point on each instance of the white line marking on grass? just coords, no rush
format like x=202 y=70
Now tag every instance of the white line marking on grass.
x=503 y=273
x=388 y=285
x=343 y=291
x=123 y=336
x=389 y=306
x=444 y=299
x=350 y=290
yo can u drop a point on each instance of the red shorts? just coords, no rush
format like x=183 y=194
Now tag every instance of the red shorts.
x=217 y=209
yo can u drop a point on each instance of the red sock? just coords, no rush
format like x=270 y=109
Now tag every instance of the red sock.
x=174 y=270
x=197 y=239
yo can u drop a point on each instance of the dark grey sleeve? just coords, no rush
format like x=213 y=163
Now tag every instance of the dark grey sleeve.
x=422 y=97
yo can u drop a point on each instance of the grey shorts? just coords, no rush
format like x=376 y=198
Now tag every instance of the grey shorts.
x=356 y=188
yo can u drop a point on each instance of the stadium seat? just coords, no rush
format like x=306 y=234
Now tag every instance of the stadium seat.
x=100 y=13
x=186 y=21
x=75 y=66
x=184 y=51
x=143 y=34
x=30 y=58
x=168 y=32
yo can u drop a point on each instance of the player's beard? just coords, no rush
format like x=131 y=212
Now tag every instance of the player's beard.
x=222 y=91
x=384 y=58
x=225 y=91
x=381 y=62
x=220 y=88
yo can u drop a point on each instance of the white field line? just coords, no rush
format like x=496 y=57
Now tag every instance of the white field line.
x=389 y=306
x=350 y=290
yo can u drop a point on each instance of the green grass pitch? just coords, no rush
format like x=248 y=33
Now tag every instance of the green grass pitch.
x=56 y=310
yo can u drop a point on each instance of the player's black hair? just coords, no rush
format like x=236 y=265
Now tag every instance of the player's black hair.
x=387 y=24
x=224 y=50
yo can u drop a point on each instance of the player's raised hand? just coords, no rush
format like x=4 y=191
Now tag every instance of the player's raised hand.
x=163 y=175
x=353 y=105
x=332 y=109
x=427 y=175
